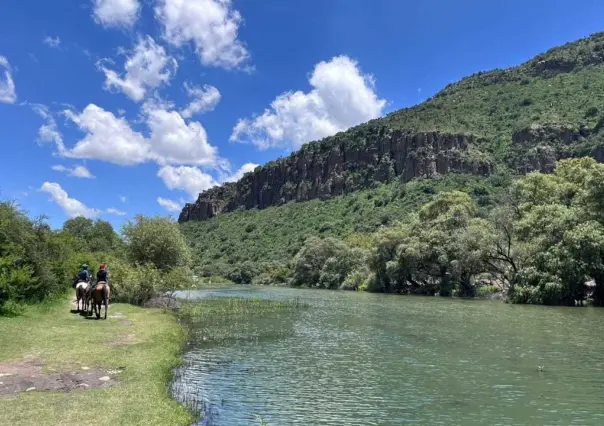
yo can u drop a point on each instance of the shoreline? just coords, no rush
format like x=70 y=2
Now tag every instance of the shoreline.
x=55 y=363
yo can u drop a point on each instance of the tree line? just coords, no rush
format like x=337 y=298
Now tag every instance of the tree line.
x=543 y=243
x=38 y=263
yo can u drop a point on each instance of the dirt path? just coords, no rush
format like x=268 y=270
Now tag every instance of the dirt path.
x=27 y=376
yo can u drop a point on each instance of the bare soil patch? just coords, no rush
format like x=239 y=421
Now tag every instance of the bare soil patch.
x=27 y=376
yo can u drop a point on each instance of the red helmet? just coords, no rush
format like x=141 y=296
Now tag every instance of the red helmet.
x=103 y=266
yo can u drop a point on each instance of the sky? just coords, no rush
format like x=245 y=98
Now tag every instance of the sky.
x=112 y=108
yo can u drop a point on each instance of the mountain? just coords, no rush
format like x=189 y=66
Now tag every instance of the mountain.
x=519 y=120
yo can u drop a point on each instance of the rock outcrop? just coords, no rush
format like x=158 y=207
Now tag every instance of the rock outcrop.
x=346 y=162
x=539 y=147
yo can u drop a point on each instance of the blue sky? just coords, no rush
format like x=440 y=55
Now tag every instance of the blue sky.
x=109 y=108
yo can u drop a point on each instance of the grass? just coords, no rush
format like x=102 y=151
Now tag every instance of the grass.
x=219 y=320
x=63 y=341
x=223 y=321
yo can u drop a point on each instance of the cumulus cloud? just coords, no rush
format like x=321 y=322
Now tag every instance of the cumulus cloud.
x=71 y=206
x=193 y=181
x=148 y=67
x=108 y=138
x=52 y=42
x=8 y=93
x=115 y=13
x=341 y=97
x=170 y=205
x=188 y=179
x=77 y=171
x=204 y=99
x=116 y=212
x=247 y=167
x=171 y=140
x=211 y=25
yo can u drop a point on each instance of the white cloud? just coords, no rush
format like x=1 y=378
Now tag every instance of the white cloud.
x=116 y=212
x=193 y=181
x=247 y=167
x=116 y=13
x=341 y=97
x=77 y=171
x=123 y=199
x=8 y=93
x=70 y=206
x=211 y=25
x=171 y=140
x=108 y=138
x=188 y=179
x=204 y=99
x=147 y=68
x=52 y=42
x=48 y=132
x=170 y=205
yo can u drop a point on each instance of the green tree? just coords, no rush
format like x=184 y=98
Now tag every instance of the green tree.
x=157 y=240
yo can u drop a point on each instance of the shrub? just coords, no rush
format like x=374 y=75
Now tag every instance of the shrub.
x=157 y=240
x=356 y=279
x=134 y=285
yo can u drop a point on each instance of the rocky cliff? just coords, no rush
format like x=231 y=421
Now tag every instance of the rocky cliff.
x=341 y=164
x=527 y=117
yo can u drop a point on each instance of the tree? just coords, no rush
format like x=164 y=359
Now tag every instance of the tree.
x=157 y=240
x=79 y=227
x=321 y=263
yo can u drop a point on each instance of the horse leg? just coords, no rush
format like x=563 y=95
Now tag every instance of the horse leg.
x=105 y=300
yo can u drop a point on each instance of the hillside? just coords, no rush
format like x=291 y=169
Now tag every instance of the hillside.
x=522 y=118
x=475 y=136
x=253 y=241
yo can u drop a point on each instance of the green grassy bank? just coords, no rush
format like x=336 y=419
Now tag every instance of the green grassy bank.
x=137 y=348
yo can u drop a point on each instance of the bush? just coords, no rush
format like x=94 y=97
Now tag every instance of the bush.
x=356 y=279
x=134 y=285
x=157 y=240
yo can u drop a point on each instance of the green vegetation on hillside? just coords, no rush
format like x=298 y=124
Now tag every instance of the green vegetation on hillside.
x=538 y=240
x=526 y=118
x=239 y=245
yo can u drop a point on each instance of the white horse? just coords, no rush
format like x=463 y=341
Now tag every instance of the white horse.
x=83 y=294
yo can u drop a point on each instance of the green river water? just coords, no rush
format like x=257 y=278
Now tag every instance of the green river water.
x=367 y=359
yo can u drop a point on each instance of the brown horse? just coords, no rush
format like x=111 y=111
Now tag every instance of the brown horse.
x=82 y=294
x=99 y=296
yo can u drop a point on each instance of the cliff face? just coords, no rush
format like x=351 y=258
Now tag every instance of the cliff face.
x=342 y=164
x=552 y=98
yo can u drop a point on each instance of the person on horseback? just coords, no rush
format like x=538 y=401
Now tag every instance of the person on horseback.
x=82 y=277
x=101 y=275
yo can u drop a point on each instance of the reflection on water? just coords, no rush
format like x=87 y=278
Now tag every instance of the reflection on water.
x=363 y=359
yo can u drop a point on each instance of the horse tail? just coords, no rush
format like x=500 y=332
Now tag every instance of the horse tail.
x=105 y=292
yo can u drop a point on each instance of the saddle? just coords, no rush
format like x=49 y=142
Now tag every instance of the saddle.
x=100 y=286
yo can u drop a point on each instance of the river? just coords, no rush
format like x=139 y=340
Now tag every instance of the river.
x=368 y=359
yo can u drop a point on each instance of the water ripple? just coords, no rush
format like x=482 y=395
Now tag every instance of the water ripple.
x=358 y=359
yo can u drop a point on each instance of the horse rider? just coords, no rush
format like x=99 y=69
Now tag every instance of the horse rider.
x=101 y=275
x=83 y=276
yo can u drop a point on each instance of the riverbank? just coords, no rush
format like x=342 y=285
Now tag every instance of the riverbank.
x=58 y=367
